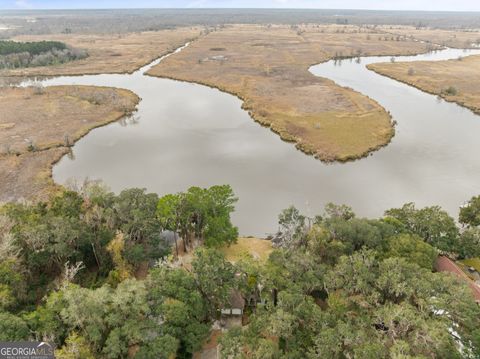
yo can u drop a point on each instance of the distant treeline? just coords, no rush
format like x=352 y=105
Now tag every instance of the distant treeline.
x=34 y=48
x=41 y=53
x=123 y=21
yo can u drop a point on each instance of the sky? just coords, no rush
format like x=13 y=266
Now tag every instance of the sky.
x=433 y=5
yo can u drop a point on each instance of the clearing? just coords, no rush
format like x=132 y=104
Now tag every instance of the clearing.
x=257 y=248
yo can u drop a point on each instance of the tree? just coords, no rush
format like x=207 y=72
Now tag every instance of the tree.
x=326 y=247
x=168 y=212
x=122 y=269
x=46 y=320
x=178 y=304
x=276 y=332
x=372 y=308
x=200 y=213
x=339 y=211
x=211 y=214
x=12 y=284
x=413 y=249
x=110 y=320
x=219 y=231
x=162 y=347
x=12 y=328
x=357 y=233
x=297 y=270
x=41 y=53
x=45 y=236
x=292 y=230
x=76 y=347
x=214 y=277
x=135 y=215
x=432 y=224
x=469 y=243
x=470 y=213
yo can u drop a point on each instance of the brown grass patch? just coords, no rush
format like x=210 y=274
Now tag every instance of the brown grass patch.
x=37 y=130
x=267 y=67
x=436 y=77
x=257 y=248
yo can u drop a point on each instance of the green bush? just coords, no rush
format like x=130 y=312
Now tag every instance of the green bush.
x=451 y=91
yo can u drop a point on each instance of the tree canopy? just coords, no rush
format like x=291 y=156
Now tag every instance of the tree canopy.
x=335 y=286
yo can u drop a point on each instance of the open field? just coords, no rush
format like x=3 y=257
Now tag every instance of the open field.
x=267 y=67
x=121 y=53
x=257 y=248
x=37 y=125
x=456 y=38
x=454 y=80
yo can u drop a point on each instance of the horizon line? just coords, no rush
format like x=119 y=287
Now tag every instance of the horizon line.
x=237 y=8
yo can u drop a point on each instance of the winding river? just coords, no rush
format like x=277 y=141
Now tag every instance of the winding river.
x=190 y=135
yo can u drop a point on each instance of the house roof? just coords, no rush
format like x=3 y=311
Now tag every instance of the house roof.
x=444 y=264
x=236 y=300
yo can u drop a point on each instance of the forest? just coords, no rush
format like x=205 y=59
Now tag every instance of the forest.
x=129 y=20
x=15 y=54
x=336 y=286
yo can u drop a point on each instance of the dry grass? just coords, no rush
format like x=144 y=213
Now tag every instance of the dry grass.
x=267 y=67
x=436 y=77
x=123 y=53
x=452 y=38
x=472 y=262
x=37 y=127
x=257 y=248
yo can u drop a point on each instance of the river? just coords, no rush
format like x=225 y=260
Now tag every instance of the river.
x=190 y=135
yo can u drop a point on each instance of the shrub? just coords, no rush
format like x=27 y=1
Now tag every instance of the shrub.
x=450 y=91
x=38 y=89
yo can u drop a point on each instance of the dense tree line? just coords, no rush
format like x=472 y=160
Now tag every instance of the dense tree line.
x=15 y=54
x=336 y=286
x=34 y=48
x=116 y=21
x=347 y=287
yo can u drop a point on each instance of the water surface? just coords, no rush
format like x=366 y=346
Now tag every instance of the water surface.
x=190 y=135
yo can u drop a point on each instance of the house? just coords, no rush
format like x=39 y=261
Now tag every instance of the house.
x=236 y=304
x=444 y=264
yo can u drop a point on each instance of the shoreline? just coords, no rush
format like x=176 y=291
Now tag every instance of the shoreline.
x=285 y=135
x=63 y=149
x=476 y=111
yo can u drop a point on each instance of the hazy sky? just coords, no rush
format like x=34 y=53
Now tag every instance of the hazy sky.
x=436 y=5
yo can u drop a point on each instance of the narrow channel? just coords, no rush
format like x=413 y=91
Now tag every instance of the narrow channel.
x=190 y=135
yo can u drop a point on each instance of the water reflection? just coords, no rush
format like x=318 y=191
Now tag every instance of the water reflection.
x=186 y=134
